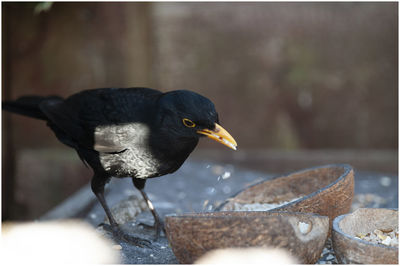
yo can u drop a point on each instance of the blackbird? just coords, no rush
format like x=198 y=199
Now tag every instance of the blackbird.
x=139 y=133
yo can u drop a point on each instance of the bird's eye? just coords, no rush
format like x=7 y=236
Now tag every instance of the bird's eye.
x=188 y=122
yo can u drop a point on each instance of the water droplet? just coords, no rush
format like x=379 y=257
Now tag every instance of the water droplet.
x=385 y=181
x=181 y=195
x=226 y=189
x=226 y=175
x=210 y=190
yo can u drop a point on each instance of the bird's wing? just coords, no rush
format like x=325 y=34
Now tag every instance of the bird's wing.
x=103 y=119
x=64 y=122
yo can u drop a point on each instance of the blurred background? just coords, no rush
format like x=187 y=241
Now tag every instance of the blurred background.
x=296 y=84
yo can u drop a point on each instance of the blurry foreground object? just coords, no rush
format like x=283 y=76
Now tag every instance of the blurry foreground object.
x=66 y=241
x=265 y=256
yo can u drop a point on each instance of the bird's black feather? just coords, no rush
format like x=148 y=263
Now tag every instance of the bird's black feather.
x=27 y=106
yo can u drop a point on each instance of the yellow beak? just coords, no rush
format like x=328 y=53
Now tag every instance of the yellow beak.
x=220 y=135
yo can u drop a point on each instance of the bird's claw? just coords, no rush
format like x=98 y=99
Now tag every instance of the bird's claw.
x=137 y=241
x=157 y=226
x=106 y=227
x=121 y=235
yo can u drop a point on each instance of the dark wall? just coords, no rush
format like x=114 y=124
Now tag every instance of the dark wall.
x=282 y=75
x=288 y=75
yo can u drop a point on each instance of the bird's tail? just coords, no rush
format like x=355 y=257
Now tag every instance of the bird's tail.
x=27 y=106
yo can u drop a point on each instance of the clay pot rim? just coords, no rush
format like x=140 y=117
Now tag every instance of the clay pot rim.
x=347 y=169
x=357 y=241
x=198 y=215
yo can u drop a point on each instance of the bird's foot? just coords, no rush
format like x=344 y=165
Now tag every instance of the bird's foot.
x=121 y=235
x=157 y=226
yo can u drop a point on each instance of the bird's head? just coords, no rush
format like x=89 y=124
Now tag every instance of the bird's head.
x=187 y=114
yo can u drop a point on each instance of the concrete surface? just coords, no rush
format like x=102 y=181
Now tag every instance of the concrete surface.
x=198 y=186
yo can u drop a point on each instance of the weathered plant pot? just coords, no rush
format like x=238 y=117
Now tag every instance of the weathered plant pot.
x=326 y=190
x=350 y=249
x=192 y=235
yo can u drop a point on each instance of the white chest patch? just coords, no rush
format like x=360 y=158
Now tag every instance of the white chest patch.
x=115 y=138
x=124 y=149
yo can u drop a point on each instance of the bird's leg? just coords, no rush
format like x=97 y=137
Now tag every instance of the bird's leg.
x=158 y=223
x=98 y=183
